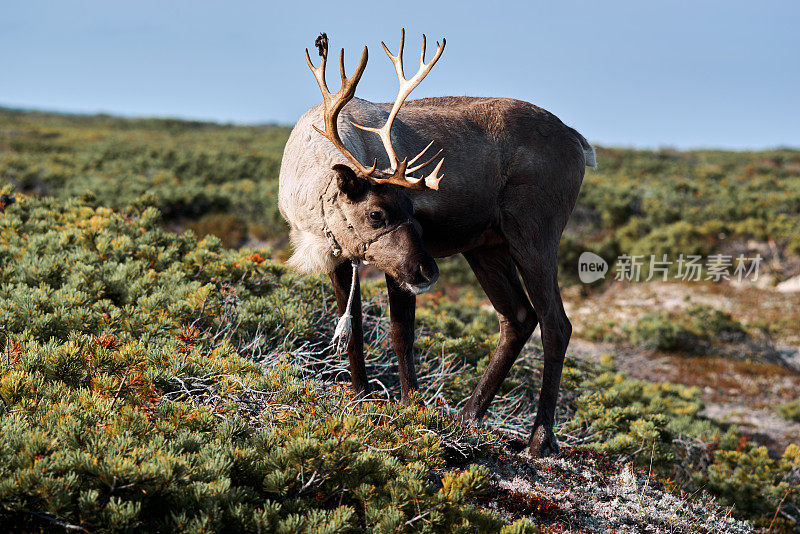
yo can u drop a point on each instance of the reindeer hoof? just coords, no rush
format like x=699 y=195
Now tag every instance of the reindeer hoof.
x=543 y=443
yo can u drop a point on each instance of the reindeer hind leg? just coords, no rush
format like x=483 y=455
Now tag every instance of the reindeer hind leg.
x=498 y=277
x=539 y=270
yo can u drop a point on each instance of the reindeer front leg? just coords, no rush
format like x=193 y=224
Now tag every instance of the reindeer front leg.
x=402 y=309
x=342 y=279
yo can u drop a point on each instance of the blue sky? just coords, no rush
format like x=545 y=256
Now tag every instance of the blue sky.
x=682 y=74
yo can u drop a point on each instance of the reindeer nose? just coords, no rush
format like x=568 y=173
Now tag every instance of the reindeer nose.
x=429 y=273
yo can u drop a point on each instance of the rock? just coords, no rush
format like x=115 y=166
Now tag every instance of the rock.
x=791 y=285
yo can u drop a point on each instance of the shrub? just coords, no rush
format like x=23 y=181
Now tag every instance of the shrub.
x=633 y=417
x=660 y=331
x=697 y=330
x=230 y=229
x=129 y=403
x=189 y=169
x=790 y=411
x=135 y=395
x=714 y=325
x=746 y=478
x=637 y=202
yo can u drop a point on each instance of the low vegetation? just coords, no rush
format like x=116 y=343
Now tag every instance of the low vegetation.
x=160 y=382
x=153 y=380
x=696 y=202
x=790 y=410
x=692 y=331
x=222 y=180
x=128 y=399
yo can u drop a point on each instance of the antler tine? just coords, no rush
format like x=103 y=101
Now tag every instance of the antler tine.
x=428 y=162
x=319 y=74
x=433 y=179
x=345 y=81
x=415 y=158
x=398 y=59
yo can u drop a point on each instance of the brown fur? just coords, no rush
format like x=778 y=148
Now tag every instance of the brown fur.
x=512 y=174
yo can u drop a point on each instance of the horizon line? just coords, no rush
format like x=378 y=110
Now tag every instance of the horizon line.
x=245 y=124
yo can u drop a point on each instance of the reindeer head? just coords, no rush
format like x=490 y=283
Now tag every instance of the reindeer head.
x=374 y=222
x=369 y=215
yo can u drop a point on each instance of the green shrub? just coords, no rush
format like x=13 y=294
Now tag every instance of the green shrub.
x=745 y=477
x=694 y=202
x=191 y=170
x=129 y=401
x=712 y=324
x=126 y=404
x=636 y=202
x=633 y=417
x=230 y=229
x=660 y=331
x=697 y=330
x=679 y=237
x=790 y=411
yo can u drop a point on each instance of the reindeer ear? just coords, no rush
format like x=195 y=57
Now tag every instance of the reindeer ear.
x=349 y=182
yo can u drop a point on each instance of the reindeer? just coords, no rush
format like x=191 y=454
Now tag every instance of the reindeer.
x=511 y=177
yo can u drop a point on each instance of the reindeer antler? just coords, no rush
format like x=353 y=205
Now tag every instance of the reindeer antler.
x=333 y=104
x=400 y=176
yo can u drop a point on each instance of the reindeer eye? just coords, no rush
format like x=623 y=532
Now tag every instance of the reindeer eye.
x=376 y=215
